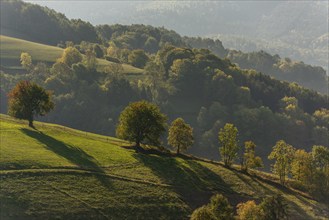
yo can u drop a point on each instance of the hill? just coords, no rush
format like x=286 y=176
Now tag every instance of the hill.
x=307 y=41
x=279 y=27
x=58 y=172
x=11 y=49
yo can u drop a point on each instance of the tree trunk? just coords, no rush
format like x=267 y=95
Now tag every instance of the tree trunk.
x=31 y=123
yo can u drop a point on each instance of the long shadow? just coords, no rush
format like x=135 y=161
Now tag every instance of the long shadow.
x=194 y=183
x=73 y=154
x=292 y=206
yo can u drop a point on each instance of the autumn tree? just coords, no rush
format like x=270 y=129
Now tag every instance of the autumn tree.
x=27 y=100
x=70 y=56
x=283 y=155
x=274 y=207
x=218 y=209
x=141 y=121
x=228 y=143
x=250 y=160
x=302 y=166
x=249 y=211
x=320 y=183
x=90 y=60
x=26 y=61
x=180 y=135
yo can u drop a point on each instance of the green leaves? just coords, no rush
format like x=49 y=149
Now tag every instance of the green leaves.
x=141 y=121
x=228 y=143
x=180 y=135
x=27 y=100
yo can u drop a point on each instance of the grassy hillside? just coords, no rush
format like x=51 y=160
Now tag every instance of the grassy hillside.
x=11 y=49
x=58 y=172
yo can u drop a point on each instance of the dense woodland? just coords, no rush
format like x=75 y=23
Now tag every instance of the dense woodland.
x=192 y=78
x=22 y=20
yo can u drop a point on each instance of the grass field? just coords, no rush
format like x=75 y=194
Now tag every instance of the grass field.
x=56 y=172
x=11 y=49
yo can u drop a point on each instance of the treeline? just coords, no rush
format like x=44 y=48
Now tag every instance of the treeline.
x=41 y=24
x=195 y=84
x=284 y=69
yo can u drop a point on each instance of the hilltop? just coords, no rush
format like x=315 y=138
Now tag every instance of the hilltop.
x=11 y=49
x=58 y=172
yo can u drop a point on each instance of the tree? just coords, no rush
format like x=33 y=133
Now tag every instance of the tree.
x=218 y=209
x=141 y=121
x=71 y=56
x=250 y=160
x=90 y=60
x=274 y=207
x=27 y=100
x=180 y=135
x=249 y=211
x=203 y=213
x=26 y=61
x=302 y=166
x=228 y=143
x=221 y=208
x=138 y=58
x=283 y=155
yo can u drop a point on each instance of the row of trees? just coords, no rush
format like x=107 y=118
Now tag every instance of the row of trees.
x=271 y=208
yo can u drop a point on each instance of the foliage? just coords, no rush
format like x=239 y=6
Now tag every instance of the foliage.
x=284 y=69
x=27 y=100
x=283 y=155
x=90 y=60
x=71 y=56
x=275 y=207
x=250 y=211
x=138 y=58
x=250 y=160
x=228 y=143
x=218 y=209
x=180 y=135
x=26 y=61
x=302 y=166
x=203 y=213
x=141 y=121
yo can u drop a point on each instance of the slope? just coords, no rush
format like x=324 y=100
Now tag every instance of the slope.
x=58 y=172
x=11 y=49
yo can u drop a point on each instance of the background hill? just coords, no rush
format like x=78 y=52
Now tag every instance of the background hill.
x=22 y=20
x=11 y=49
x=291 y=29
x=59 y=172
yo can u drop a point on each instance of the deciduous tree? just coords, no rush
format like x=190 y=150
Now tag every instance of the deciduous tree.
x=228 y=143
x=26 y=60
x=250 y=160
x=283 y=155
x=141 y=121
x=27 y=100
x=180 y=135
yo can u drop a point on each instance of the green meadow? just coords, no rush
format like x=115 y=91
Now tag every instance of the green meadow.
x=55 y=172
x=11 y=49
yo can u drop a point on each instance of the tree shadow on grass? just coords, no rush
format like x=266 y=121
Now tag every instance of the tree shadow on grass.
x=73 y=154
x=293 y=207
x=194 y=183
